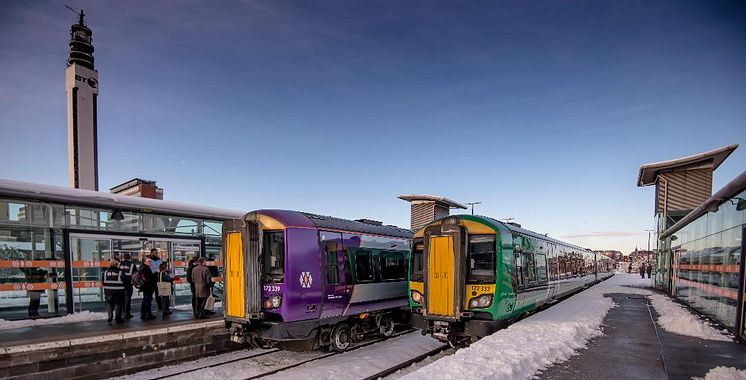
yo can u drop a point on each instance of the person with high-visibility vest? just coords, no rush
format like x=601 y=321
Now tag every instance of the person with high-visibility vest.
x=112 y=279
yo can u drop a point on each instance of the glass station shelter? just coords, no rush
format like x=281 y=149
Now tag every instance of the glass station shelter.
x=701 y=258
x=55 y=242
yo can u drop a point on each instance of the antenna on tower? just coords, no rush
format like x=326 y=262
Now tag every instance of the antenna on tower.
x=80 y=14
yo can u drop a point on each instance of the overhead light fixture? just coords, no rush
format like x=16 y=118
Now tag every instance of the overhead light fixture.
x=117 y=215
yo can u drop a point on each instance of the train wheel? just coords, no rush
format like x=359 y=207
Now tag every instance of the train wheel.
x=386 y=326
x=340 y=339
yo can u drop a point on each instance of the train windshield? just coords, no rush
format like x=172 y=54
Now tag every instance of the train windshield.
x=417 y=261
x=273 y=256
x=481 y=259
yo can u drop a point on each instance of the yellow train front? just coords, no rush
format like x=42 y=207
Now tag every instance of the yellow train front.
x=472 y=275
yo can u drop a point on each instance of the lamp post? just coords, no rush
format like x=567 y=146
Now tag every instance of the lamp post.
x=649 y=231
x=472 y=205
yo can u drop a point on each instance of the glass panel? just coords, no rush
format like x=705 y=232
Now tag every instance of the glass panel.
x=274 y=255
x=481 y=259
x=364 y=265
x=392 y=265
x=332 y=270
x=31 y=272
x=417 y=261
x=90 y=257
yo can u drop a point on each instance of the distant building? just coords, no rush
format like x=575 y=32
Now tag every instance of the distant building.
x=614 y=255
x=139 y=188
x=640 y=255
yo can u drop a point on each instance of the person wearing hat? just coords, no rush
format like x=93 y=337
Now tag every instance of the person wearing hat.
x=113 y=290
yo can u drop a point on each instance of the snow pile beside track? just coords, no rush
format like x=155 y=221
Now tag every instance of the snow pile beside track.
x=677 y=319
x=534 y=343
x=725 y=373
x=77 y=317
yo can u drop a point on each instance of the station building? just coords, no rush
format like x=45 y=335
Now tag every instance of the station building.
x=55 y=242
x=701 y=258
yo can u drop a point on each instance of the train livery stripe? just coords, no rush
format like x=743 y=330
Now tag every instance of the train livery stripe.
x=440 y=276
x=234 y=284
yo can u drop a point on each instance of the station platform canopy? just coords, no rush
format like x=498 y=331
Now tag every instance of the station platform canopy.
x=432 y=198
x=648 y=174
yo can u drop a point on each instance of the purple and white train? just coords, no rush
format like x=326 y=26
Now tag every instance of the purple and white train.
x=311 y=280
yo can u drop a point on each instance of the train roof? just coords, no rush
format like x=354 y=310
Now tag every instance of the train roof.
x=524 y=231
x=307 y=219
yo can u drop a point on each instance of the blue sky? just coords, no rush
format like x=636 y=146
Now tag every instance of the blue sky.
x=541 y=110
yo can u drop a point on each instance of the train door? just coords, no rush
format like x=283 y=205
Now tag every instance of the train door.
x=234 y=297
x=336 y=291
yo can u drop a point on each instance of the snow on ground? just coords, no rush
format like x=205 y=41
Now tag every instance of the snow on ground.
x=677 y=319
x=365 y=361
x=77 y=317
x=725 y=373
x=551 y=336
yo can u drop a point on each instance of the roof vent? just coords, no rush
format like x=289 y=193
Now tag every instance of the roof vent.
x=514 y=224
x=370 y=221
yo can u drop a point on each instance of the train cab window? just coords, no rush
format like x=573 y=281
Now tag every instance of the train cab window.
x=273 y=255
x=392 y=265
x=418 y=256
x=332 y=265
x=364 y=265
x=481 y=259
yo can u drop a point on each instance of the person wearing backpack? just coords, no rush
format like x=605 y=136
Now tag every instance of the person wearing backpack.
x=148 y=287
x=128 y=269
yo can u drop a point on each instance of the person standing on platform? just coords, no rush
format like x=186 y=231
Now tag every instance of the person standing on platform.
x=128 y=269
x=649 y=269
x=642 y=270
x=165 y=283
x=190 y=267
x=202 y=283
x=214 y=271
x=114 y=291
x=155 y=267
x=629 y=268
x=148 y=288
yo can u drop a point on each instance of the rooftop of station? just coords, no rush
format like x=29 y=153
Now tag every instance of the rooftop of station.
x=649 y=172
x=431 y=198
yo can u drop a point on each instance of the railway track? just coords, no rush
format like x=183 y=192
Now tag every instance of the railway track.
x=256 y=359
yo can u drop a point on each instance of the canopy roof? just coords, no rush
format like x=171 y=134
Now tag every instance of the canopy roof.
x=70 y=196
x=649 y=172
x=431 y=198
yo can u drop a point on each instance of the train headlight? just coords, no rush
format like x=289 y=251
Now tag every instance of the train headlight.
x=273 y=302
x=276 y=300
x=481 y=302
x=417 y=297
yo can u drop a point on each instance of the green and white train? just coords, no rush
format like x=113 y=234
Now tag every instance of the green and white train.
x=472 y=275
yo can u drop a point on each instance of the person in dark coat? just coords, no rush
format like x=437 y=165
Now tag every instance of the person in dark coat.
x=35 y=276
x=113 y=290
x=649 y=269
x=202 y=284
x=190 y=266
x=148 y=288
x=629 y=268
x=165 y=276
x=642 y=270
x=128 y=269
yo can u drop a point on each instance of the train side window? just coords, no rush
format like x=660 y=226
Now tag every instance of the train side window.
x=392 y=265
x=541 y=267
x=518 y=270
x=332 y=266
x=418 y=255
x=364 y=265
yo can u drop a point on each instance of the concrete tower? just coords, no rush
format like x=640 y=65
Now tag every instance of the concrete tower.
x=81 y=86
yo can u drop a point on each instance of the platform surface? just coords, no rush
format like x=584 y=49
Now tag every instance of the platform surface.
x=634 y=346
x=90 y=329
